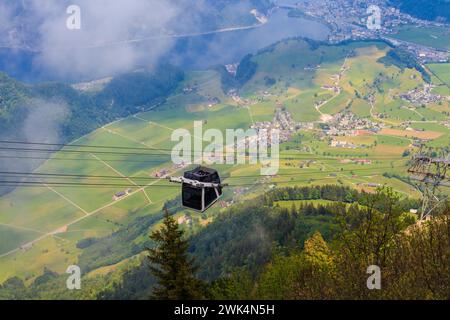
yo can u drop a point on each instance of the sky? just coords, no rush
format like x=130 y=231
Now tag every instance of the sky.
x=69 y=51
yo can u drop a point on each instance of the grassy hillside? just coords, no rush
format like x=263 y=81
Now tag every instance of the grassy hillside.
x=244 y=245
x=124 y=95
x=86 y=226
x=428 y=36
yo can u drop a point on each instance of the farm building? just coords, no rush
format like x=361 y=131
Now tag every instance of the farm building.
x=121 y=194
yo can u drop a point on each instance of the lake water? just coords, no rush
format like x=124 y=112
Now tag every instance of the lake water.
x=195 y=52
x=223 y=48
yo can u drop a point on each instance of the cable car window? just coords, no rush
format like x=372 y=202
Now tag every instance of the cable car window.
x=192 y=197
x=210 y=196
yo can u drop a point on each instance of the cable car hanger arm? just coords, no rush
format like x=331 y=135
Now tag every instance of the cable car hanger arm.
x=196 y=183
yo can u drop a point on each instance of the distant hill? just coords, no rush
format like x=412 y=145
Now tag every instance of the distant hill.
x=261 y=250
x=295 y=74
x=425 y=9
x=124 y=95
x=12 y=95
x=57 y=113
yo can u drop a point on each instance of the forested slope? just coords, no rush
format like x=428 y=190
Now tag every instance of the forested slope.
x=308 y=251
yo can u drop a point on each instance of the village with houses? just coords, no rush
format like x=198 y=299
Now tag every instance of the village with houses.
x=422 y=96
x=283 y=122
x=347 y=21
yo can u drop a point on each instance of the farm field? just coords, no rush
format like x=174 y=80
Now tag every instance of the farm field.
x=411 y=134
x=427 y=36
x=47 y=226
x=442 y=70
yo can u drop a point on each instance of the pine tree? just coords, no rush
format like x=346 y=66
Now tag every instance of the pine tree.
x=171 y=265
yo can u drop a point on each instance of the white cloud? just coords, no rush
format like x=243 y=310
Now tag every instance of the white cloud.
x=100 y=47
x=43 y=122
x=6 y=24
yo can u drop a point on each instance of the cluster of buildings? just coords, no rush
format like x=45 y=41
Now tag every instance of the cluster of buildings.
x=421 y=96
x=232 y=68
x=283 y=122
x=342 y=144
x=242 y=102
x=369 y=184
x=430 y=55
x=347 y=123
x=347 y=20
x=335 y=89
x=446 y=123
x=164 y=172
x=422 y=53
x=212 y=102
x=356 y=161
x=417 y=143
x=190 y=89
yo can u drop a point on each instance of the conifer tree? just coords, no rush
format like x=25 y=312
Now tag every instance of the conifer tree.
x=171 y=265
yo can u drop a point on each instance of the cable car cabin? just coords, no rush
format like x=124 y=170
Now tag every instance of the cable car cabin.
x=201 y=188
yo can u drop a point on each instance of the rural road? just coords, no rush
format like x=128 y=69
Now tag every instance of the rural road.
x=89 y=214
x=341 y=74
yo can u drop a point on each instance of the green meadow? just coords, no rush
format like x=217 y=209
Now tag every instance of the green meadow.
x=427 y=36
x=442 y=70
x=64 y=215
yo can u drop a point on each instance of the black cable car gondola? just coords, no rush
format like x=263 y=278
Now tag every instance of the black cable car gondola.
x=201 y=187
